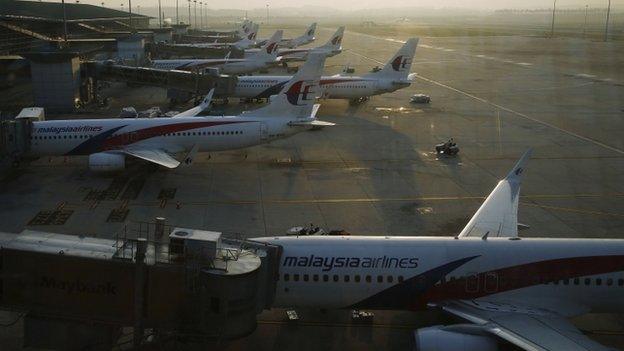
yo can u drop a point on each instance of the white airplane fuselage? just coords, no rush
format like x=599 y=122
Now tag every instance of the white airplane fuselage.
x=407 y=273
x=332 y=87
x=88 y=136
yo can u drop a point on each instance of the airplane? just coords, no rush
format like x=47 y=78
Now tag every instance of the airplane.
x=393 y=76
x=242 y=31
x=108 y=142
x=292 y=43
x=505 y=288
x=263 y=59
x=246 y=42
x=331 y=48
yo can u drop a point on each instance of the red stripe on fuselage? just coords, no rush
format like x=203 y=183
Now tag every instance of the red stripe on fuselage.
x=127 y=138
x=521 y=276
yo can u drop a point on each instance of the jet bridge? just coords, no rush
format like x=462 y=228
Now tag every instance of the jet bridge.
x=166 y=51
x=188 y=283
x=192 y=82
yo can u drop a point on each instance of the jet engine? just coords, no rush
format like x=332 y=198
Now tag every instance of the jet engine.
x=106 y=162
x=447 y=338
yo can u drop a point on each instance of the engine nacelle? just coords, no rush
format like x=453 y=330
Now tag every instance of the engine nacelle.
x=443 y=338
x=107 y=162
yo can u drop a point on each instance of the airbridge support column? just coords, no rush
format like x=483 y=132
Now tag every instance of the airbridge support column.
x=139 y=291
x=55 y=80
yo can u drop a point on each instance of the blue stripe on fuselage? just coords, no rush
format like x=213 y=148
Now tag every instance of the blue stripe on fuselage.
x=405 y=295
x=93 y=144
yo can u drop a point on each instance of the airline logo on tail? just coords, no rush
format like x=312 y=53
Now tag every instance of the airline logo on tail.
x=271 y=48
x=400 y=63
x=300 y=92
x=311 y=32
x=252 y=36
x=337 y=40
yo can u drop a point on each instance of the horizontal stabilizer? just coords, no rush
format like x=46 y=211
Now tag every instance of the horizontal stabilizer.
x=311 y=122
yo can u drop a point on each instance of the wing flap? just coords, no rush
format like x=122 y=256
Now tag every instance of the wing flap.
x=530 y=329
x=498 y=215
x=156 y=156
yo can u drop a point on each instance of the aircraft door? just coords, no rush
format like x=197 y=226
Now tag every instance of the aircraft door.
x=491 y=282
x=129 y=138
x=264 y=131
x=472 y=283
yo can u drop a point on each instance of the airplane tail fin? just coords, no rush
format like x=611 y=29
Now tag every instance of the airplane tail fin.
x=245 y=27
x=268 y=51
x=249 y=39
x=309 y=34
x=204 y=105
x=498 y=215
x=335 y=42
x=297 y=98
x=400 y=64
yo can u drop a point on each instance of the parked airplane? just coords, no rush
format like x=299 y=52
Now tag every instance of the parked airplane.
x=246 y=42
x=393 y=76
x=242 y=31
x=292 y=43
x=520 y=290
x=263 y=59
x=331 y=48
x=109 y=141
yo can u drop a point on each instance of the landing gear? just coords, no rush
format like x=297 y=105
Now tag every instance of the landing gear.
x=359 y=100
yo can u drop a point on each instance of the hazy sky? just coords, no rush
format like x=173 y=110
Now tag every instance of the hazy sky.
x=363 y=4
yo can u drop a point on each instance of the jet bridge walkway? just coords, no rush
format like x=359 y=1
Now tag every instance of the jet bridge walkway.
x=189 y=284
x=185 y=81
x=165 y=51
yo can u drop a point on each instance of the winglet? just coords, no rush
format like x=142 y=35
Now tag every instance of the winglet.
x=498 y=215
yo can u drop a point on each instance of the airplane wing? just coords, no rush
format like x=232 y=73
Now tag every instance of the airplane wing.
x=525 y=327
x=205 y=104
x=498 y=215
x=156 y=156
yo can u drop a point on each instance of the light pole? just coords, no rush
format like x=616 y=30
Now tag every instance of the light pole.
x=585 y=23
x=64 y=22
x=267 y=7
x=201 y=15
x=607 y=22
x=177 y=13
x=195 y=1
x=552 y=27
x=159 y=15
x=130 y=15
x=189 y=2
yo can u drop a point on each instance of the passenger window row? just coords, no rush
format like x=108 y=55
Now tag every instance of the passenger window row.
x=589 y=281
x=345 y=278
x=45 y=137
x=205 y=133
x=82 y=136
